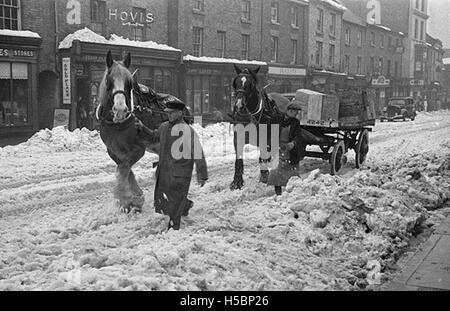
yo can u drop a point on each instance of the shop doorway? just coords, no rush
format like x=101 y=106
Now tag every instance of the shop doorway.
x=83 y=106
x=46 y=98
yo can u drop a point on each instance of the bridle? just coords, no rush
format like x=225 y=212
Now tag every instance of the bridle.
x=259 y=108
x=129 y=98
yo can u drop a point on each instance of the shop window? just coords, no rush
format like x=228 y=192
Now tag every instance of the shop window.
x=14 y=98
x=98 y=16
x=10 y=14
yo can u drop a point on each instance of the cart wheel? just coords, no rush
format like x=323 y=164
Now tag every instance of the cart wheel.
x=362 y=148
x=337 y=157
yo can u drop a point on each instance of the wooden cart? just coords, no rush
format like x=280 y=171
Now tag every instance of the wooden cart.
x=335 y=138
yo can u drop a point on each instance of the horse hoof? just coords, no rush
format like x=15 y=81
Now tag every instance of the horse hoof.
x=264 y=177
x=125 y=209
x=236 y=186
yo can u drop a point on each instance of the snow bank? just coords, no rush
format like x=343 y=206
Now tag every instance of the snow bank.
x=58 y=139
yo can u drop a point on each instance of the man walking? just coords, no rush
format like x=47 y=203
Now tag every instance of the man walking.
x=180 y=148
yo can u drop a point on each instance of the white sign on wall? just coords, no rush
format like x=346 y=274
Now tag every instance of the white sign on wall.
x=67 y=91
x=74 y=15
x=287 y=71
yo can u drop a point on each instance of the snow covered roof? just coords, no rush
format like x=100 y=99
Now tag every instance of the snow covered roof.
x=350 y=17
x=19 y=33
x=446 y=61
x=335 y=4
x=206 y=59
x=87 y=35
x=384 y=27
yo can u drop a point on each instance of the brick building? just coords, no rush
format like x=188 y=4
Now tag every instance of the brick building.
x=433 y=69
x=324 y=46
x=213 y=34
x=353 y=50
x=408 y=17
x=20 y=69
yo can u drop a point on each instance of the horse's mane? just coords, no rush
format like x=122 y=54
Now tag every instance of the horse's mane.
x=102 y=92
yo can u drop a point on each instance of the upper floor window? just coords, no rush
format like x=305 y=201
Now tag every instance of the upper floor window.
x=246 y=5
x=389 y=42
x=199 y=5
x=198 y=41
x=294 y=51
x=221 y=39
x=372 y=38
x=274 y=49
x=320 y=20
x=294 y=17
x=331 y=56
x=333 y=25
x=319 y=53
x=138 y=31
x=417 y=4
x=416 y=29
x=422 y=29
x=382 y=41
x=245 y=46
x=10 y=14
x=359 y=65
x=423 y=5
x=347 y=36
x=347 y=63
x=359 y=38
x=98 y=15
x=274 y=12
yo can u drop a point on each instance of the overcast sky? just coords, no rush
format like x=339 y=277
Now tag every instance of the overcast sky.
x=439 y=22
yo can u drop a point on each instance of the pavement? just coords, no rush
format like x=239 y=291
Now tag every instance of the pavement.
x=429 y=268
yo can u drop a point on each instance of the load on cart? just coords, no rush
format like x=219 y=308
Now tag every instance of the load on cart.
x=336 y=124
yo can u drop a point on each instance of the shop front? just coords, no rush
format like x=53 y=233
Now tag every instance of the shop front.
x=207 y=84
x=19 y=111
x=286 y=79
x=381 y=91
x=84 y=63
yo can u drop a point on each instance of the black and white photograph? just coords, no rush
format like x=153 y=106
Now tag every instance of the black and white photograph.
x=245 y=146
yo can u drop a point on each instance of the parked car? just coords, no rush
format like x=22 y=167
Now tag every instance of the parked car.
x=399 y=108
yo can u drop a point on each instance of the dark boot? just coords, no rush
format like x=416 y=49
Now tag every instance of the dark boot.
x=174 y=224
x=188 y=206
x=278 y=190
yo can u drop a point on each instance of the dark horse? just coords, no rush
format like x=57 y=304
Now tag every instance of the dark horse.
x=128 y=112
x=253 y=106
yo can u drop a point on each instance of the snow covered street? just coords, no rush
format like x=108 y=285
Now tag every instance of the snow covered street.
x=61 y=230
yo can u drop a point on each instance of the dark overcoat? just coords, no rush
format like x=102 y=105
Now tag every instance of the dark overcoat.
x=174 y=172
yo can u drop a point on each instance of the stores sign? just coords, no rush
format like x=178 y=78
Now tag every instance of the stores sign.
x=128 y=18
x=67 y=94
